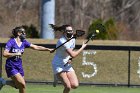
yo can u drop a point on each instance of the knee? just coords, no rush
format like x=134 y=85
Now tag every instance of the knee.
x=68 y=87
x=21 y=85
x=74 y=86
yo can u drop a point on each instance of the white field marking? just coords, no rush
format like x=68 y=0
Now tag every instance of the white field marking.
x=85 y=52
x=138 y=71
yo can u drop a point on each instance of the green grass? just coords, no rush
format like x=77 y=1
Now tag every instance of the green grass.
x=112 y=66
x=82 y=89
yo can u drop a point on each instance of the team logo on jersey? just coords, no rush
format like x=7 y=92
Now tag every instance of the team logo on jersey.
x=18 y=50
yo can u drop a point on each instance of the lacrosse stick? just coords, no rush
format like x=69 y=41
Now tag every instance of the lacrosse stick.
x=78 y=34
x=98 y=28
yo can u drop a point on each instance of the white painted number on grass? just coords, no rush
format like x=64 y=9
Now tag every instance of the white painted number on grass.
x=138 y=71
x=89 y=64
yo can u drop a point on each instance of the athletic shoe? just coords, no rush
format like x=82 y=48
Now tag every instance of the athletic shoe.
x=2 y=83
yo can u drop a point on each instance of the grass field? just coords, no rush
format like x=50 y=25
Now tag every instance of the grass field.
x=112 y=67
x=34 y=88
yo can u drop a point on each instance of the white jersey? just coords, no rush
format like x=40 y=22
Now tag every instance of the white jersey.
x=61 y=56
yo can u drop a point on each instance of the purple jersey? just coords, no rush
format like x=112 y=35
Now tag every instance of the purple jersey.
x=14 y=64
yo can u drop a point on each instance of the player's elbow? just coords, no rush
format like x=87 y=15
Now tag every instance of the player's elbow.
x=5 y=55
x=73 y=55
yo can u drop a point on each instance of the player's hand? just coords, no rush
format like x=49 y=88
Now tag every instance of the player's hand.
x=17 y=54
x=70 y=61
x=84 y=45
x=52 y=50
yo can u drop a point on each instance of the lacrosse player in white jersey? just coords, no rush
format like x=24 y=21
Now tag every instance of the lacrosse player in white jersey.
x=61 y=63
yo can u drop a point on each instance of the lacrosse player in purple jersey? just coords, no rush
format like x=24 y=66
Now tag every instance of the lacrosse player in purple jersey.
x=61 y=62
x=13 y=51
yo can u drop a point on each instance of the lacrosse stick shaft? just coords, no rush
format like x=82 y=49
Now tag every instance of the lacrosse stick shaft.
x=93 y=35
x=62 y=44
x=87 y=41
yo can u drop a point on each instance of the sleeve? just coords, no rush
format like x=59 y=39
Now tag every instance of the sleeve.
x=27 y=44
x=8 y=46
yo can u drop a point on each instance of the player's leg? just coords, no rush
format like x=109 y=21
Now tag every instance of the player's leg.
x=55 y=82
x=5 y=82
x=64 y=79
x=73 y=79
x=19 y=82
x=11 y=83
x=2 y=83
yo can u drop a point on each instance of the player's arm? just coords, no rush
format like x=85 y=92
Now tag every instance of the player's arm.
x=40 y=48
x=7 y=54
x=73 y=53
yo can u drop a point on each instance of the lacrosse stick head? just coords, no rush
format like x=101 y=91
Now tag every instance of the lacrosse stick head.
x=92 y=36
x=79 y=33
x=97 y=29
